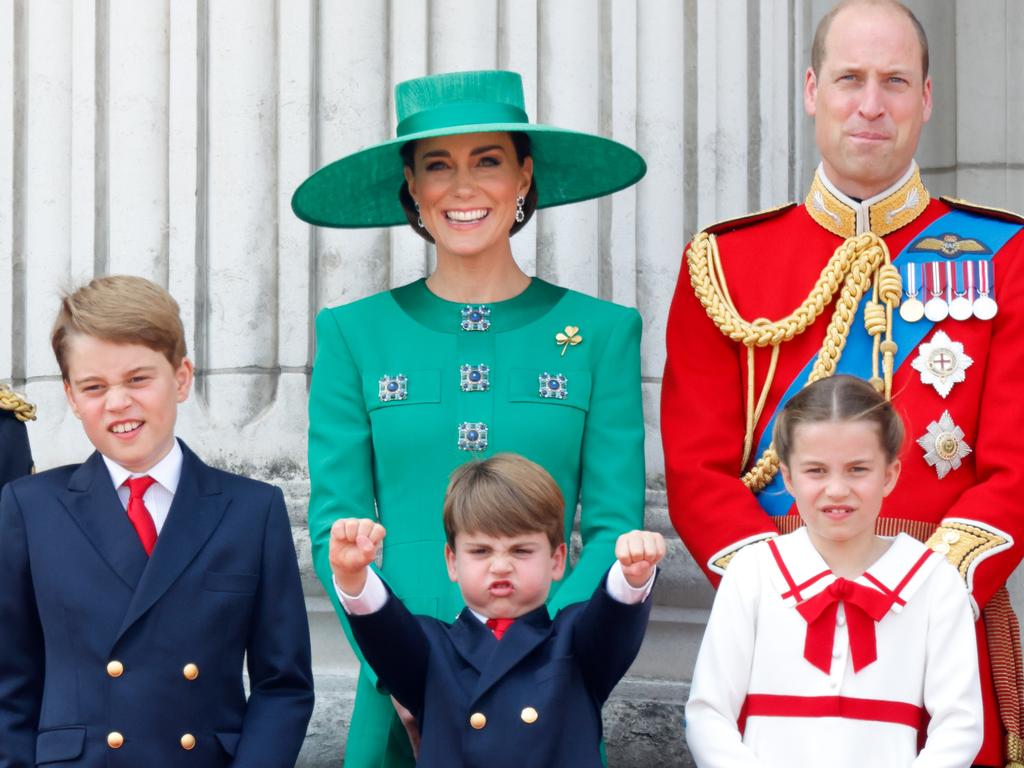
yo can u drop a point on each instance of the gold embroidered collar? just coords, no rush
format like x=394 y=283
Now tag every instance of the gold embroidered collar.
x=894 y=208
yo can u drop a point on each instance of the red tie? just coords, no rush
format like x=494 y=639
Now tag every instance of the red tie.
x=498 y=626
x=864 y=606
x=138 y=513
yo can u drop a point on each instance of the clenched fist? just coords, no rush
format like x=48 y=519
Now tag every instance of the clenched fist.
x=353 y=547
x=639 y=552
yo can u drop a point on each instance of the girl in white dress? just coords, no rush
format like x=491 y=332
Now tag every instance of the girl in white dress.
x=833 y=646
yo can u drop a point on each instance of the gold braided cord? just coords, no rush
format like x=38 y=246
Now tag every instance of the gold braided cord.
x=704 y=249
x=1002 y=630
x=11 y=401
x=754 y=411
x=1014 y=746
x=858 y=264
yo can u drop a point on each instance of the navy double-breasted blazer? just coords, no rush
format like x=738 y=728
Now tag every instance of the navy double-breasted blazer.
x=532 y=698
x=100 y=644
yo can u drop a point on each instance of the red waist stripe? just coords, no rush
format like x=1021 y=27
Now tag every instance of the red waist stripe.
x=878 y=710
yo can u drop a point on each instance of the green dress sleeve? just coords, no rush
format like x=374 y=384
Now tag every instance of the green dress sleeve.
x=612 y=479
x=340 y=453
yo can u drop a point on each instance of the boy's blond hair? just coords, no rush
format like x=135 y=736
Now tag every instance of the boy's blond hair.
x=505 y=495
x=122 y=309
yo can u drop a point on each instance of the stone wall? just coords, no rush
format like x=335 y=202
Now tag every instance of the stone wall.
x=165 y=139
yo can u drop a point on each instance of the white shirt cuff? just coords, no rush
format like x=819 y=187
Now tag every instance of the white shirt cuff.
x=621 y=590
x=370 y=600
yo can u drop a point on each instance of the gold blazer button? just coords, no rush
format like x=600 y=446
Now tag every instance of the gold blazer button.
x=478 y=720
x=190 y=671
x=115 y=740
x=528 y=715
x=115 y=668
x=188 y=741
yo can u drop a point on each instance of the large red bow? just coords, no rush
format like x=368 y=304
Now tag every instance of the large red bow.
x=864 y=606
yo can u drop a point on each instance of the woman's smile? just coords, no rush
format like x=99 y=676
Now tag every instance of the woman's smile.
x=473 y=216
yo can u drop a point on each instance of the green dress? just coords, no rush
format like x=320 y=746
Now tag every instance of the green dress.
x=407 y=386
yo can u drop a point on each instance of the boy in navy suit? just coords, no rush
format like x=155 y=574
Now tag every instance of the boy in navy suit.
x=504 y=685
x=135 y=583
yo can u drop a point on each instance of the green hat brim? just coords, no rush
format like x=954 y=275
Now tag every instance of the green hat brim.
x=361 y=189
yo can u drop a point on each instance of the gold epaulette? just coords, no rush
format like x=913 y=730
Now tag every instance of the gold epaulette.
x=983 y=210
x=744 y=221
x=963 y=544
x=22 y=409
x=720 y=564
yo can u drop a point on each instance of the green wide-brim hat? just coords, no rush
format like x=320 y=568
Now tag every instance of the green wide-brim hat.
x=361 y=189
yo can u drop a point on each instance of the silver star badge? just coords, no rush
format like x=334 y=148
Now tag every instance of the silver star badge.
x=944 y=445
x=942 y=363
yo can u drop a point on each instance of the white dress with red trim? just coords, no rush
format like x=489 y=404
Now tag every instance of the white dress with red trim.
x=799 y=667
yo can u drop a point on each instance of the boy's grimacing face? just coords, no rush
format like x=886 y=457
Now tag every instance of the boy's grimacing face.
x=126 y=396
x=504 y=576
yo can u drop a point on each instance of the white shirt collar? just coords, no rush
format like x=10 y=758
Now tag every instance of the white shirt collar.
x=167 y=471
x=806 y=566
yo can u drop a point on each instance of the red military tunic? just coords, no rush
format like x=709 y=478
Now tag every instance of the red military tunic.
x=770 y=262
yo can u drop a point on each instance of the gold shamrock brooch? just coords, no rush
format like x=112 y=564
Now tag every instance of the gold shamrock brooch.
x=570 y=338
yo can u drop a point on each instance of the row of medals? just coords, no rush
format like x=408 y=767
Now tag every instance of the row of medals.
x=961 y=290
x=956 y=289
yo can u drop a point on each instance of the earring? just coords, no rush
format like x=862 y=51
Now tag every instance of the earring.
x=419 y=219
x=520 y=216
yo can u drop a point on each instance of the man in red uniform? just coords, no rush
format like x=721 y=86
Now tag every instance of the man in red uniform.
x=875 y=277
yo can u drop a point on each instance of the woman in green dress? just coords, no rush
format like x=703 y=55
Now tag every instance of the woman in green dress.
x=476 y=359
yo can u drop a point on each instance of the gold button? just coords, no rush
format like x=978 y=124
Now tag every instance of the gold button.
x=951 y=537
x=188 y=741
x=942 y=548
x=528 y=715
x=478 y=720
x=115 y=668
x=191 y=671
x=115 y=740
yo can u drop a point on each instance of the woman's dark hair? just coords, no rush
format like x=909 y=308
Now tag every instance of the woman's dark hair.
x=839 y=398
x=520 y=141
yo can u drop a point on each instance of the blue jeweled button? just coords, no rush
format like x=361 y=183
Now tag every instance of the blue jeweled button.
x=474 y=378
x=553 y=386
x=393 y=388
x=476 y=318
x=472 y=436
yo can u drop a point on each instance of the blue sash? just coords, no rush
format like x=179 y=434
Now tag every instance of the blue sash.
x=856 y=357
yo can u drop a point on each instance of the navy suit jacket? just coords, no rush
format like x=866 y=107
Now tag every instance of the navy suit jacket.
x=78 y=592
x=560 y=671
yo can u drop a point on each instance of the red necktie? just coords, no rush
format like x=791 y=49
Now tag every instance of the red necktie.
x=498 y=626
x=138 y=513
x=864 y=606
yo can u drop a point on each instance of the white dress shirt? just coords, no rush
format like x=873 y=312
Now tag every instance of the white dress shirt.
x=158 y=497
